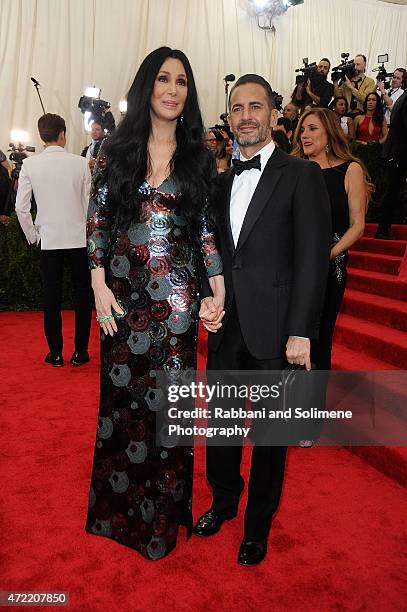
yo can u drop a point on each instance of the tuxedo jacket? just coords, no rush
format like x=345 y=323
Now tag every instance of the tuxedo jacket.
x=60 y=182
x=95 y=150
x=396 y=142
x=278 y=271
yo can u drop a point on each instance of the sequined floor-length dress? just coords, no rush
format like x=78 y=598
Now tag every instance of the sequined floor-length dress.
x=141 y=492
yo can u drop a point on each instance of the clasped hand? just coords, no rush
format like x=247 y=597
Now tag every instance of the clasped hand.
x=211 y=313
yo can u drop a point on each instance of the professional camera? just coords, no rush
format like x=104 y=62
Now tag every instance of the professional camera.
x=18 y=153
x=382 y=74
x=17 y=156
x=308 y=71
x=95 y=109
x=278 y=100
x=345 y=69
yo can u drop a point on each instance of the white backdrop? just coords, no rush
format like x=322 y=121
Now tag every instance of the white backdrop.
x=55 y=41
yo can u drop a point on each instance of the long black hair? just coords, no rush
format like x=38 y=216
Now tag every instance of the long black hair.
x=126 y=150
x=378 y=114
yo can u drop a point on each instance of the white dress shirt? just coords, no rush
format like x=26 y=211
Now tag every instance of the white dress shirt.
x=61 y=183
x=89 y=152
x=394 y=94
x=243 y=188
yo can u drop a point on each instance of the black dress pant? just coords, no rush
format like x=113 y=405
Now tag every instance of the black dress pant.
x=321 y=349
x=223 y=463
x=395 y=175
x=52 y=267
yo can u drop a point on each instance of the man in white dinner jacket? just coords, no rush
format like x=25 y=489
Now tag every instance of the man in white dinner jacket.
x=60 y=182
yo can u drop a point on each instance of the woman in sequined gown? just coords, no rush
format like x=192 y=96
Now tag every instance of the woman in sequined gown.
x=151 y=246
x=320 y=138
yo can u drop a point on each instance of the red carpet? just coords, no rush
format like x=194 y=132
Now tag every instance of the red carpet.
x=339 y=541
x=371 y=331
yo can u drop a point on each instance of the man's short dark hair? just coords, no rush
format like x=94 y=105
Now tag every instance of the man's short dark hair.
x=50 y=126
x=361 y=55
x=325 y=59
x=258 y=80
x=286 y=123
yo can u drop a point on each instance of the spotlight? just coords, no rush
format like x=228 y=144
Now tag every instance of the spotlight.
x=123 y=107
x=92 y=92
x=19 y=136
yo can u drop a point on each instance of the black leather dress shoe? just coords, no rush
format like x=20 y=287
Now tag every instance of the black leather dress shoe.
x=79 y=358
x=210 y=523
x=251 y=553
x=55 y=360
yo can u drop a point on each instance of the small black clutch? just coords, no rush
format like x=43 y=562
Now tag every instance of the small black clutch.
x=303 y=393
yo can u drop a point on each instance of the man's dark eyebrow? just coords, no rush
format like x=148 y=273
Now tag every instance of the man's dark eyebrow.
x=251 y=102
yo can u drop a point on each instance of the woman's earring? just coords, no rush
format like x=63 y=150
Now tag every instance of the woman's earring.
x=181 y=118
x=327 y=149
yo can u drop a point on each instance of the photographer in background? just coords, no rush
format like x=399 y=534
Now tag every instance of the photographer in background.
x=5 y=184
x=316 y=90
x=291 y=112
x=356 y=89
x=91 y=151
x=60 y=182
x=4 y=162
x=398 y=85
x=285 y=126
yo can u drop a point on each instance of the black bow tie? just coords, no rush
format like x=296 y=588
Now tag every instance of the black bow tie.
x=241 y=166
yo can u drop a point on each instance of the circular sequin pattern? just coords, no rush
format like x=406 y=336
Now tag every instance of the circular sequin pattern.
x=120 y=266
x=179 y=322
x=139 y=342
x=159 y=288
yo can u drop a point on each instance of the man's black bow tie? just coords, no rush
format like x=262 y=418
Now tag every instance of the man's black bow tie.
x=240 y=166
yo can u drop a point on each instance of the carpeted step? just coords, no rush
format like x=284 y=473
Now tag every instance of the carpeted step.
x=375 y=308
x=387 y=247
x=345 y=358
x=372 y=339
x=390 y=382
x=399 y=231
x=390 y=460
x=377 y=283
x=375 y=262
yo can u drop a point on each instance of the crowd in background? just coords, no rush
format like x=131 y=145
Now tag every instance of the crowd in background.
x=362 y=108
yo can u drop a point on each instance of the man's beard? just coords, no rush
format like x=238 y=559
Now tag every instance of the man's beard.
x=260 y=135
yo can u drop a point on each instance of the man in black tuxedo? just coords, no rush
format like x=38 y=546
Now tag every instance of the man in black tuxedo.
x=273 y=218
x=91 y=151
x=395 y=155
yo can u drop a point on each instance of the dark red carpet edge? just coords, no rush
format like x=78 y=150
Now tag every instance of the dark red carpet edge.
x=339 y=541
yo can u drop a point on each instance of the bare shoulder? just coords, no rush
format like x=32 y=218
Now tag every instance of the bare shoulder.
x=354 y=170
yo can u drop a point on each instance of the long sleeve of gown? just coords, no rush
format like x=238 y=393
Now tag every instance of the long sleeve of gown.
x=100 y=219
x=210 y=257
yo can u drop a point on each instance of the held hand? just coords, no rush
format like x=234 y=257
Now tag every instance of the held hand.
x=212 y=313
x=105 y=304
x=211 y=309
x=308 y=87
x=380 y=87
x=298 y=351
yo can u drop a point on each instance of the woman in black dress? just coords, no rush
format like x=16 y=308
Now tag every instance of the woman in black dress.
x=150 y=246
x=319 y=138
